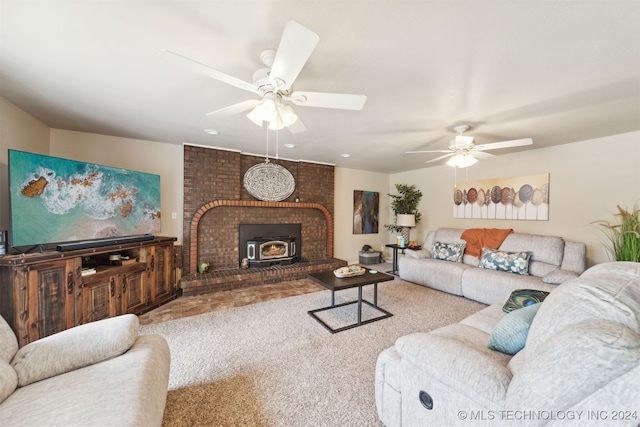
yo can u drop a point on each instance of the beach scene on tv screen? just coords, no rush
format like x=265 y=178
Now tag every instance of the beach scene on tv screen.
x=59 y=200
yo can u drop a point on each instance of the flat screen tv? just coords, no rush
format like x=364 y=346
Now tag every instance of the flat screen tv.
x=55 y=200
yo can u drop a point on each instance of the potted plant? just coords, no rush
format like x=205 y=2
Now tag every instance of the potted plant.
x=623 y=234
x=403 y=204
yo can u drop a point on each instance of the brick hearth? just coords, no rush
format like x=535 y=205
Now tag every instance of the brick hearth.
x=237 y=278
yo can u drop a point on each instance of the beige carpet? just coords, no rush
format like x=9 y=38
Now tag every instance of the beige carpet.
x=271 y=364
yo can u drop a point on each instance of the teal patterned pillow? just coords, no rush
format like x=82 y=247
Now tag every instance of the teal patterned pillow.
x=510 y=334
x=513 y=262
x=448 y=251
x=523 y=298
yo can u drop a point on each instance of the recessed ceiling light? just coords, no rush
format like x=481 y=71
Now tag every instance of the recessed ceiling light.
x=345 y=155
x=290 y=145
x=211 y=131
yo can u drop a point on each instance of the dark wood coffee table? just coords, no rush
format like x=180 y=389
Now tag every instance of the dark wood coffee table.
x=331 y=282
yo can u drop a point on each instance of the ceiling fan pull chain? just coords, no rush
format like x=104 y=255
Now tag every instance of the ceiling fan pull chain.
x=267 y=156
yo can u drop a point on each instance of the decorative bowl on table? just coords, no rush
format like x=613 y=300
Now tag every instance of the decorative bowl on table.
x=349 y=271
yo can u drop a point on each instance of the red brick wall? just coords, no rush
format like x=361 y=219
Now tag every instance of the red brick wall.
x=215 y=175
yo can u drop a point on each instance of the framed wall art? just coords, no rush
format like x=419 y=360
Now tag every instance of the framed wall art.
x=366 y=206
x=519 y=198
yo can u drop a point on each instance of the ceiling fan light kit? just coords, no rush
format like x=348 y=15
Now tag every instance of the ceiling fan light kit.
x=462 y=160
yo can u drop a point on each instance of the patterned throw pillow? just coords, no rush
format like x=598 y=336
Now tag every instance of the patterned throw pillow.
x=513 y=262
x=523 y=298
x=448 y=251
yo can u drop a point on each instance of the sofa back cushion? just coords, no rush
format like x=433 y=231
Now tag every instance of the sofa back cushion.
x=75 y=348
x=608 y=291
x=579 y=361
x=546 y=251
x=575 y=257
x=8 y=380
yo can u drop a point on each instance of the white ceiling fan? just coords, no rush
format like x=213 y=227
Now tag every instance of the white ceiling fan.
x=464 y=152
x=274 y=83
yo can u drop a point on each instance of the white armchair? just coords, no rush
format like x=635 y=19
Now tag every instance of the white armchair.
x=100 y=373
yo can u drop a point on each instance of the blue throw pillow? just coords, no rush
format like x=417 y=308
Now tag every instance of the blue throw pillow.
x=448 y=251
x=510 y=333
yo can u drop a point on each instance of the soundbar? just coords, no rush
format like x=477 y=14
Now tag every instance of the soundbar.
x=86 y=244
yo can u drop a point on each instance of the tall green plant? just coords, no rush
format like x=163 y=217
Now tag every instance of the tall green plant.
x=406 y=202
x=623 y=235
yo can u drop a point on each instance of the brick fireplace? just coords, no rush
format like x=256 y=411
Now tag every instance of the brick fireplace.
x=216 y=203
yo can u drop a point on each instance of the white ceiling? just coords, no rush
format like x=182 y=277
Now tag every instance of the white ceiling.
x=555 y=71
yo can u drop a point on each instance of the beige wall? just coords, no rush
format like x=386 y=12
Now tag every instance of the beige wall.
x=19 y=131
x=347 y=245
x=145 y=156
x=587 y=180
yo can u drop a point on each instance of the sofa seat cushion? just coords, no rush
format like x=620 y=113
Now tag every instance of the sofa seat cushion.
x=592 y=353
x=606 y=291
x=485 y=319
x=491 y=287
x=75 y=348
x=437 y=274
x=458 y=357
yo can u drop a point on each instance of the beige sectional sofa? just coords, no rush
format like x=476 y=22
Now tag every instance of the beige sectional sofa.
x=580 y=365
x=552 y=261
x=97 y=374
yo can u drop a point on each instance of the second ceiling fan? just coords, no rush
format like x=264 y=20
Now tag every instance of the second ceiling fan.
x=464 y=152
x=274 y=83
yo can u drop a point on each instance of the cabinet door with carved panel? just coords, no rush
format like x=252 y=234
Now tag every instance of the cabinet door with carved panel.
x=134 y=290
x=50 y=298
x=162 y=272
x=98 y=297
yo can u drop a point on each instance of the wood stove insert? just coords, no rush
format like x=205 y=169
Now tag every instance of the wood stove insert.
x=265 y=245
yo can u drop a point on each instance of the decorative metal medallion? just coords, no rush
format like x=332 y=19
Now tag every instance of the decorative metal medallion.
x=269 y=182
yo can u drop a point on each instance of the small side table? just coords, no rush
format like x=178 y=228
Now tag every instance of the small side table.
x=395 y=248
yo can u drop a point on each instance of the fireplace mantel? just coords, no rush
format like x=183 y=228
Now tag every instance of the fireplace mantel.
x=195 y=220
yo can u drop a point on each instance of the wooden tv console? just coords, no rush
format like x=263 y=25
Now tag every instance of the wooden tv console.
x=45 y=293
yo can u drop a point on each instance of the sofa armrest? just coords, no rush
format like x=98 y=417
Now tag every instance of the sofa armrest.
x=558 y=276
x=75 y=348
x=460 y=364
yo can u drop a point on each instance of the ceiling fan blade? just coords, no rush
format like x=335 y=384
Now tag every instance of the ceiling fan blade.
x=481 y=154
x=206 y=70
x=235 y=108
x=328 y=100
x=427 y=151
x=504 y=144
x=440 y=158
x=295 y=48
x=297 y=127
